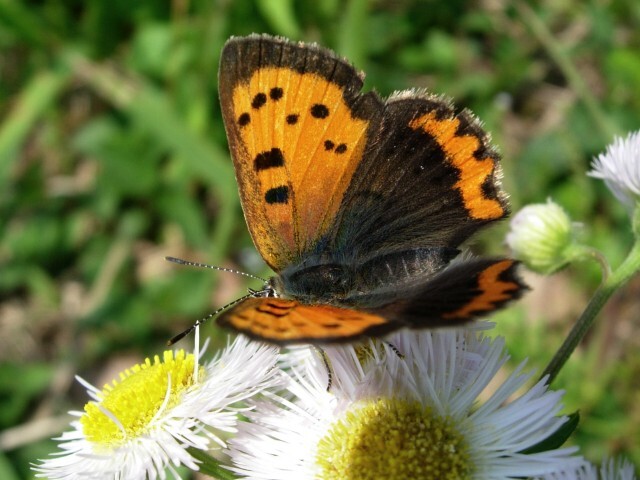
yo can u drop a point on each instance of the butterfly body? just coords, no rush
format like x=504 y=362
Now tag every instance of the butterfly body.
x=358 y=204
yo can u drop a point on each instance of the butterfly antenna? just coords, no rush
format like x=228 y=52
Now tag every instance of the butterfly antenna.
x=394 y=349
x=327 y=366
x=181 y=335
x=266 y=291
x=180 y=261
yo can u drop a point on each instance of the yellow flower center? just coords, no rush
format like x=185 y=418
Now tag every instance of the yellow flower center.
x=133 y=402
x=364 y=352
x=393 y=439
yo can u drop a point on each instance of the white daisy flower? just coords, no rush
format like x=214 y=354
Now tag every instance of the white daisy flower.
x=141 y=425
x=619 y=167
x=612 y=469
x=404 y=409
x=616 y=469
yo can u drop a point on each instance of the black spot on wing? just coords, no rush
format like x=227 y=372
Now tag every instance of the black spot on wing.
x=269 y=159
x=276 y=93
x=259 y=100
x=244 y=119
x=341 y=148
x=319 y=111
x=279 y=306
x=277 y=195
x=278 y=314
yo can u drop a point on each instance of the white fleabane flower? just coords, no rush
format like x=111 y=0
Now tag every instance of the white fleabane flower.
x=617 y=469
x=404 y=409
x=612 y=469
x=141 y=425
x=619 y=167
x=542 y=236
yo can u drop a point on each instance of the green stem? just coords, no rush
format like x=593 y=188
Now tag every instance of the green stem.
x=612 y=283
x=210 y=466
x=579 y=252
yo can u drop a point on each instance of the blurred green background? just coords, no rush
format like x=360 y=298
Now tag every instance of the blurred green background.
x=113 y=155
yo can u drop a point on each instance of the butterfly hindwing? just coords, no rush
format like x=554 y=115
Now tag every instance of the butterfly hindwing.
x=297 y=128
x=431 y=179
x=456 y=295
x=460 y=293
x=284 y=321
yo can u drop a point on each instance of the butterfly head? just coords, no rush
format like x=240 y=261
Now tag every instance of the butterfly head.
x=269 y=289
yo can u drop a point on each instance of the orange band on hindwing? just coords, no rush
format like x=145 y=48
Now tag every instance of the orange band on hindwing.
x=460 y=151
x=493 y=291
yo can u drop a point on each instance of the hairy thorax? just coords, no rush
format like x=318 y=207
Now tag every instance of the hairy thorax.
x=327 y=283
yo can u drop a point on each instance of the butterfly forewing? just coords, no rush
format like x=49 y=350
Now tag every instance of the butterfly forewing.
x=297 y=131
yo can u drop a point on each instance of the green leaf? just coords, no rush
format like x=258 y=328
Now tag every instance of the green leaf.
x=280 y=16
x=211 y=466
x=557 y=438
x=36 y=98
x=7 y=472
x=19 y=385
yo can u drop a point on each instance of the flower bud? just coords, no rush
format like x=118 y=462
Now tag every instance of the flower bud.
x=540 y=236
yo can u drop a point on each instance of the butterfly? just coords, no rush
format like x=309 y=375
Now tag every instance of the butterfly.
x=359 y=204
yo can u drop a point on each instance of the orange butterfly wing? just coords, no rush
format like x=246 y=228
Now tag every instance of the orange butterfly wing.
x=281 y=320
x=297 y=129
x=355 y=201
